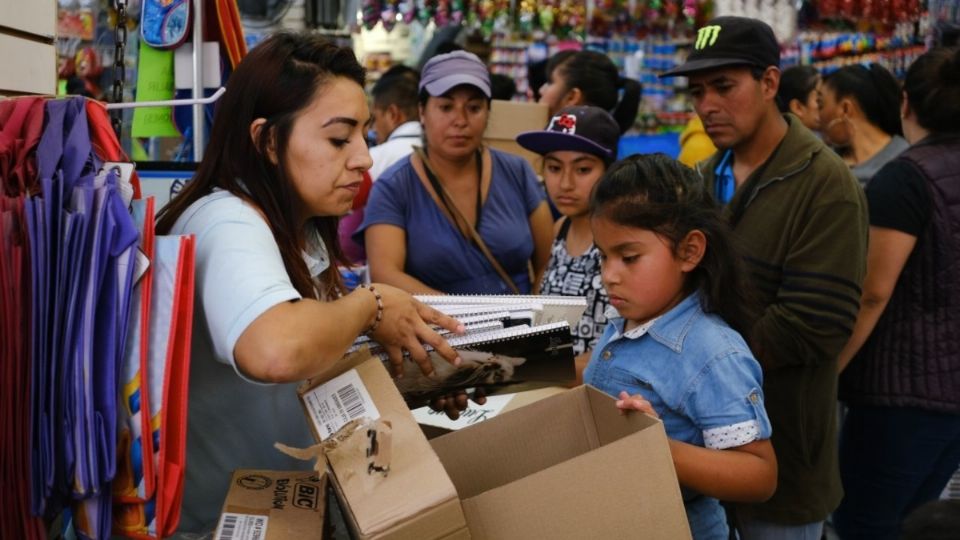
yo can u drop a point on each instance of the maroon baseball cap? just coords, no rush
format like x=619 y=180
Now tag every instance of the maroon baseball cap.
x=580 y=128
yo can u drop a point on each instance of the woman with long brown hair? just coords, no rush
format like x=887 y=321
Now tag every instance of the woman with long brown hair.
x=285 y=159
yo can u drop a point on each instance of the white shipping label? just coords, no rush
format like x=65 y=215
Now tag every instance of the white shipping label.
x=241 y=527
x=338 y=401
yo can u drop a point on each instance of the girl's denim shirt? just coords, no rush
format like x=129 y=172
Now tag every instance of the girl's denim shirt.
x=700 y=377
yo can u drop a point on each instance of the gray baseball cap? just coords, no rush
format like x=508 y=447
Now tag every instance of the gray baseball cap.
x=445 y=71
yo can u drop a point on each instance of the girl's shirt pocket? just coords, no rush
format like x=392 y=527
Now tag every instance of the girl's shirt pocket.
x=664 y=395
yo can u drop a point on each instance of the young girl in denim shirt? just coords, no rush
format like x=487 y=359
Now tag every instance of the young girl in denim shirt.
x=672 y=349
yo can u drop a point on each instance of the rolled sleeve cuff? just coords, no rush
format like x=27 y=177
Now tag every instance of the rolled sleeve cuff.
x=739 y=434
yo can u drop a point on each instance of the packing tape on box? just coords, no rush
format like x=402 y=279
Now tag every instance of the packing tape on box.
x=373 y=439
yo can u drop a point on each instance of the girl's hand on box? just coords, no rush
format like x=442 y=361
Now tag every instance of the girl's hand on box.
x=628 y=403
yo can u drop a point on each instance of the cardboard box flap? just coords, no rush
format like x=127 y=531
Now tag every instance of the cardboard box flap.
x=532 y=443
x=415 y=482
x=571 y=499
x=609 y=423
x=510 y=118
x=536 y=472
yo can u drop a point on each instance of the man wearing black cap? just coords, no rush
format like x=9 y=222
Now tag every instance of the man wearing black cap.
x=801 y=218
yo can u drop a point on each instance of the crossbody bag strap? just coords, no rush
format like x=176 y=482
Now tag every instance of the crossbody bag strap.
x=460 y=221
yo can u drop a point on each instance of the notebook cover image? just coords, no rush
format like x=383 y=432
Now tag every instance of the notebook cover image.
x=505 y=360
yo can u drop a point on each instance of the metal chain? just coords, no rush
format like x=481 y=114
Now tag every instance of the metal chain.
x=119 y=66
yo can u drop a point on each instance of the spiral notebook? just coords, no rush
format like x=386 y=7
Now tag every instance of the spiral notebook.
x=502 y=360
x=473 y=325
x=543 y=309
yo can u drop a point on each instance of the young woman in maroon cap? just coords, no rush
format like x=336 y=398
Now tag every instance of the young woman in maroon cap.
x=578 y=145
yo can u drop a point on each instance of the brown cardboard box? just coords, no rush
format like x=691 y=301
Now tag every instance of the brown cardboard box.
x=566 y=466
x=415 y=499
x=510 y=118
x=274 y=505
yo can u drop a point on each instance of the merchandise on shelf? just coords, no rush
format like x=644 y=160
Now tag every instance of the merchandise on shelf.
x=510 y=58
x=894 y=47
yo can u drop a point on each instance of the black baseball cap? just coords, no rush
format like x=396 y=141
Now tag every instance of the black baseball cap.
x=580 y=128
x=730 y=41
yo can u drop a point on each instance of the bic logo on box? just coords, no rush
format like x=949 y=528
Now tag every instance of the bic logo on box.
x=306 y=496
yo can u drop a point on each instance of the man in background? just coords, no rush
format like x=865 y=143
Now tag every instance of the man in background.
x=801 y=220
x=395 y=117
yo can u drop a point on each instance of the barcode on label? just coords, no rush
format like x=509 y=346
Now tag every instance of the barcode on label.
x=351 y=401
x=241 y=527
x=335 y=403
x=228 y=527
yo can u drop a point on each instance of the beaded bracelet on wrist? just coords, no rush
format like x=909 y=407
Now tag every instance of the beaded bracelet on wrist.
x=379 y=316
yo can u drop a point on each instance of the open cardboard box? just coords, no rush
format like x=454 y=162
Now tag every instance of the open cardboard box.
x=511 y=118
x=567 y=466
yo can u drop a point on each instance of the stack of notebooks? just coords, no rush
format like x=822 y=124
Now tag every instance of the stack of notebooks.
x=511 y=343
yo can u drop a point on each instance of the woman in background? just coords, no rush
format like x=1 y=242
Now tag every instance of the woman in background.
x=425 y=213
x=859 y=115
x=590 y=78
x=799 y=93
x=900 y=372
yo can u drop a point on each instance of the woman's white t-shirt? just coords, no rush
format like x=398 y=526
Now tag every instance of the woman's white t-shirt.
x=234 y=421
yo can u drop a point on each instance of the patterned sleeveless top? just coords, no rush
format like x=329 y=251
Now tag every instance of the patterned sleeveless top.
x=578 y=276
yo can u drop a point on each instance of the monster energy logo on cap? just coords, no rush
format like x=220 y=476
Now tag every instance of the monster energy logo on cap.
x=730 y=41
x=707 y=36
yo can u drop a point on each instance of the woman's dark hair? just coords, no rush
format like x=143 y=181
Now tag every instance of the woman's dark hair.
x=275 y=81
x=933 y=90
x=598 y=79
x=796 y=83
x=556 y=60
x=875 y=90
x=660 y=194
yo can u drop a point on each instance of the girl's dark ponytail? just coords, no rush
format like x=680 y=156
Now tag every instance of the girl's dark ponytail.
x=888 y=94
x=625 y=113
x=600 y=83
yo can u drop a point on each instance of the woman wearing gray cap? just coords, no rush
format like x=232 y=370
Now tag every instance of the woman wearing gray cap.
x=457 y=217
